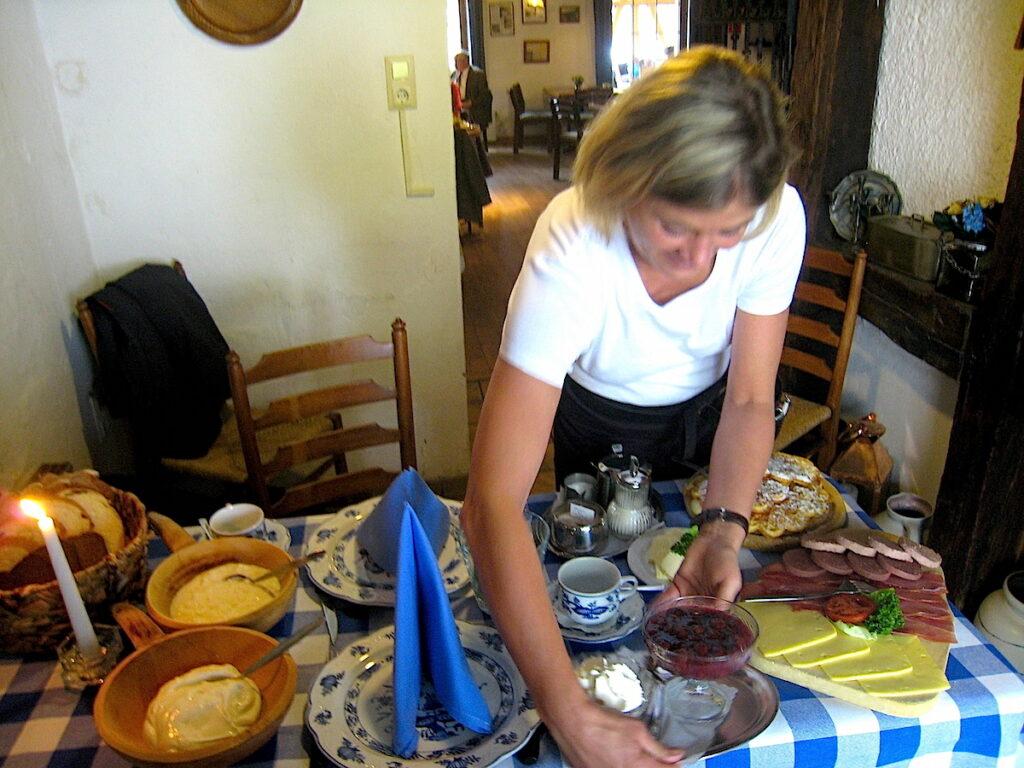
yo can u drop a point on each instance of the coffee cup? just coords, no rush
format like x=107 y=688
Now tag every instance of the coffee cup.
x=238 y=520
x=591 y=590
x=910 y=515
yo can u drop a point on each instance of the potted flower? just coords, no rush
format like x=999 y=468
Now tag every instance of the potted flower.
x=577 y=81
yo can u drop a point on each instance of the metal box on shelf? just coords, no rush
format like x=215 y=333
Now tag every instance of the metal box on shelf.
x=907 y=244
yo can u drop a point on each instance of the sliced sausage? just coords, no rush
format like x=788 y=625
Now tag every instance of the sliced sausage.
x=798 y=562
x=868 y=567
x=855 y=543
x=910 y=570
x=926 y=556
x=822 y=542
x=833 y=562
x=883 y=545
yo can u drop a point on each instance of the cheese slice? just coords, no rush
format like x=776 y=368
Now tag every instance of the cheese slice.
x=884 y=659
x=926 y=676
x=782 y=630
x=842 y=646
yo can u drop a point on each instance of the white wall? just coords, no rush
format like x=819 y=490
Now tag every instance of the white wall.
x=44 y=254
x=572 y=53
x=274 y=172
x=944 y=129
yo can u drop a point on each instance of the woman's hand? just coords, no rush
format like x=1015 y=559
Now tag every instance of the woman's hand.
x=711 y=566
x=592 y=736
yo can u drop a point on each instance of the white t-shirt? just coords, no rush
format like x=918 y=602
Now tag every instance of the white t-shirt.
x=580 y=307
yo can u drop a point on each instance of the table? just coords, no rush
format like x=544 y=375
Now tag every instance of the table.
x=977 y=722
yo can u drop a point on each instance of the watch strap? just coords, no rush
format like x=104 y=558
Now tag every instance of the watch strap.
x=721 y=513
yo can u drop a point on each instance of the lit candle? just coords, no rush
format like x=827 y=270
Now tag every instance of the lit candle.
x=85 y=635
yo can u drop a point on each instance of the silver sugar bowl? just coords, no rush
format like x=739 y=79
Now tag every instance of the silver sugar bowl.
x=577 y=527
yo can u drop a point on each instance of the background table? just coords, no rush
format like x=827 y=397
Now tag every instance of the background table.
x=975 y=723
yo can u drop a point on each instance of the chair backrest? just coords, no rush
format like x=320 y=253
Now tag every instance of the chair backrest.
x=819 y=335
x=331 y=400
x=566 y=111
x=515 y=93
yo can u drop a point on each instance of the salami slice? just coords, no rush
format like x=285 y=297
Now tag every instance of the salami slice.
x=926 y=556
x=822 y=542
x=883 y=545
x=798 y=562
x=867 y=566
x=833 y=562
x=901 y=568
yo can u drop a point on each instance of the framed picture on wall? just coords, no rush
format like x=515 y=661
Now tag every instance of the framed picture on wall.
x=536 y=51
x=534 y=12
x=502 y=19
x=569 y=14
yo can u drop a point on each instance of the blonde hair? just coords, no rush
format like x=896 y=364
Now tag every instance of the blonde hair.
x=703 y=129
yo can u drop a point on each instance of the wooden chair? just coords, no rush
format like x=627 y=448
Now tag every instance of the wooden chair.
x=819 y=337
x=567 y=129
x=523 y=117
x=267 y=458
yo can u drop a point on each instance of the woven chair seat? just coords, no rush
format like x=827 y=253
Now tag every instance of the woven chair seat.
x=803 y=416
x=224 y=460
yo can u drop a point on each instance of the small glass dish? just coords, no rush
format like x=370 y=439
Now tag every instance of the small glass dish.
x=704 y=638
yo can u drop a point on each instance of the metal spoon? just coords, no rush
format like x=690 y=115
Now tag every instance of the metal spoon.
x=848 y=587
x=283 y=646
x=279 y=571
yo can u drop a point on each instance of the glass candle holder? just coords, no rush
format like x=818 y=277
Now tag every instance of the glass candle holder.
x=78 y=672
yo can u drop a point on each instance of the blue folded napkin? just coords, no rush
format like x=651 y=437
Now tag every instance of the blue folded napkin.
x=404 y=534
x=377 y=534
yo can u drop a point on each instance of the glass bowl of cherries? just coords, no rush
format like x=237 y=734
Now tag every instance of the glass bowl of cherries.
x=700 y=638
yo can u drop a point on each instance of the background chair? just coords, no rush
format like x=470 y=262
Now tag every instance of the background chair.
x=268 y=458
x=567 y=129
x=523 y=117
x=819 y=337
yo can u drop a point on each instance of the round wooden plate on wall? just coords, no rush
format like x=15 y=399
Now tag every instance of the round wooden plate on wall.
x=241 y=22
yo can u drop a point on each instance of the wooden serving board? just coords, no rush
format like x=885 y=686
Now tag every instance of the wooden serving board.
x=836 y=518
x=815 y=679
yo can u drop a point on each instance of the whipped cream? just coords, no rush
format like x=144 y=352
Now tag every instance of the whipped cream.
x=612 y=683
x=205 y=704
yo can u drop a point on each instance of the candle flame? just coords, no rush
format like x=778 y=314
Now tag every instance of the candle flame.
x=33 y=509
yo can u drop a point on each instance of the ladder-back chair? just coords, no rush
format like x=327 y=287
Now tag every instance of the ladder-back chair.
x=819 y=338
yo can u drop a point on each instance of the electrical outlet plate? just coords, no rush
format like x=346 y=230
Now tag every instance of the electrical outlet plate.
x=401 y=81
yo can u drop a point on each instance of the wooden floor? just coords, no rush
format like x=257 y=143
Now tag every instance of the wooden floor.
x=520 y=189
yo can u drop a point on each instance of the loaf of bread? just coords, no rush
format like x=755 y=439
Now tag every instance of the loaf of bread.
x=87 y=524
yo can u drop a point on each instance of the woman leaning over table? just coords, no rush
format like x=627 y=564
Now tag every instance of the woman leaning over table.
x=671 y=261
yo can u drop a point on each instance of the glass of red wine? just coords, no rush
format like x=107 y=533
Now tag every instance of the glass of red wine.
x=699 y=640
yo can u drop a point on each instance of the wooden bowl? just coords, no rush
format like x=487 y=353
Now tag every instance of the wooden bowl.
x=122 y=700
x=189 y=558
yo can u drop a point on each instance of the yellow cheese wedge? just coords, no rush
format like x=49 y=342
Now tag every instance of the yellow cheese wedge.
x=926 y=676
x=884 y=659
x=783 y=630
x=842 y=646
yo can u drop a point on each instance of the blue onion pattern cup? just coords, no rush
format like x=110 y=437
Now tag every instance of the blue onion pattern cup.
x=591 y=589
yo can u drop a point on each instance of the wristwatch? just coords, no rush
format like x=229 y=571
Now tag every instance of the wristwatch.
x=721 y=513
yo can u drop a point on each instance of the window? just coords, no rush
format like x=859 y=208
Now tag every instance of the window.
x=644 y=34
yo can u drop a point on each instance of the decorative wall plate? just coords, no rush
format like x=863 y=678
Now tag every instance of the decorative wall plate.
x=241 y=22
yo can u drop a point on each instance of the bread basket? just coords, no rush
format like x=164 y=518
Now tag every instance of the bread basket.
x=33 y=617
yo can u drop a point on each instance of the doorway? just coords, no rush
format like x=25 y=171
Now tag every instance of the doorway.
x=644 y=34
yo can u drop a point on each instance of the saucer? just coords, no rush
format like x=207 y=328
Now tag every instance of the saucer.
x=626 y=621
x=273 y=531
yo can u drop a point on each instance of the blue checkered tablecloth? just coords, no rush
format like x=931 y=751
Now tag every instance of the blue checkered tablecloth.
x=977 y=722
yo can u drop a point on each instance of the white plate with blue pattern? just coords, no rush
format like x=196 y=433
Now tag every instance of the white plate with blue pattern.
x=347 y=572
x=625 y=622
x=273 y=531
x=351 y=702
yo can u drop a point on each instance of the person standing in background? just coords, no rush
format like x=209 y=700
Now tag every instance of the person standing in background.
x=474 y=91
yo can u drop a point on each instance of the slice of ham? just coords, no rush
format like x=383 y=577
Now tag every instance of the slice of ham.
x=927 y=630
x=901 y=568
x=833 y=562
x=822 y=542
x=883 y=545
x=926 y=556
x=854 y=543
x=799 y=563
x=867 y=567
